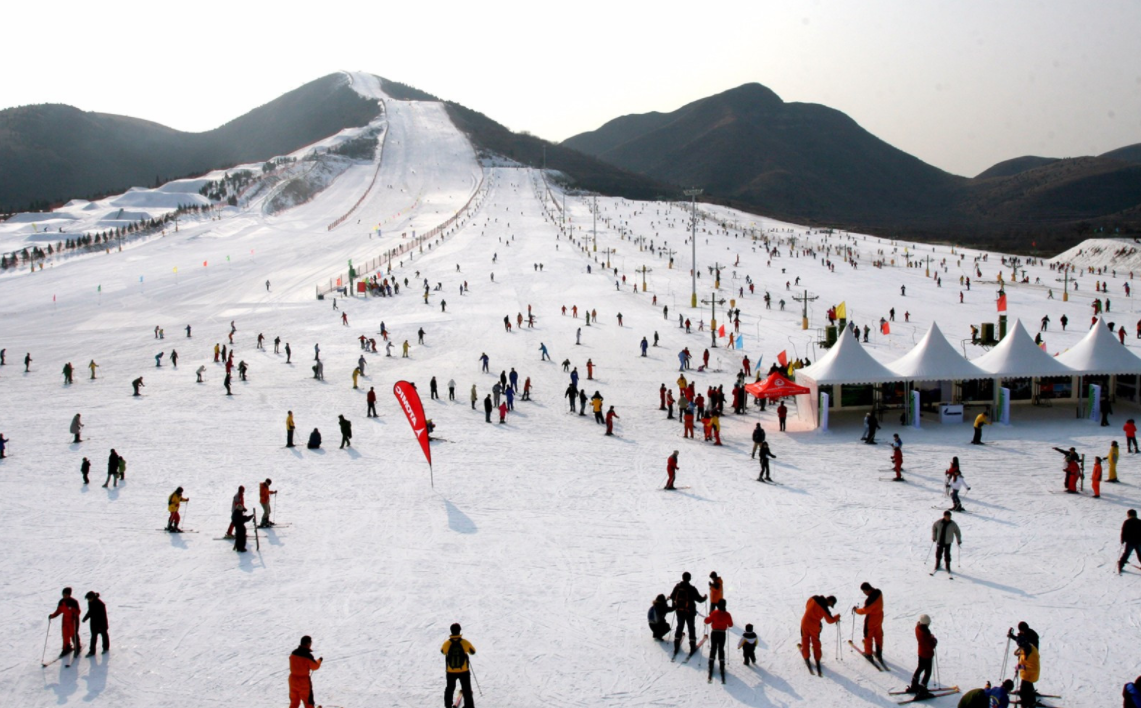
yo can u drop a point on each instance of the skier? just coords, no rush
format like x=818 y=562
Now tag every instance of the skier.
x=782 y=414
x=897 y=457
x=346 y=431
x=289 y=428
x=542 y=348
x=27 y=361
x=93 y=366
x=201 y=370
x=112 y=468
x=456 y=651
x=76 y=426
x=766 y=455
x=1130 y=538
x=238 y=519
x=685 y=599
x=1131 y=694
x=487 y=408
x=238 y=503
x=1130 y=429
x=955 y=485
x=136 y=385
x=483 y=360
x=1113 y=457
x=227 y=383
x=97 y=614
x=596 y=406
x=433 y=389
x=748 y=645
x=817 y=610
x=645 y=346
x=927 y=643
x=611 y=416
x=69 y=608
x=671 y=471
x=873 y=621
x=980 y=421
x=288 y=354
x=941 y=533
x=85 y=469
x=582 y=402
x=67 y=372
x=1029 y=667
x=173 y=504
x=1072 y=470
x=452 y=389
x=370 y=398
x=873 y=426
x=656 y=617
x=1095 y=478
x=758 y=438
x=719 y=622
x=301 y=665
x=263 y=498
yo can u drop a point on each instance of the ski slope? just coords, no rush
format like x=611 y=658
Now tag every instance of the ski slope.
x=545 y=539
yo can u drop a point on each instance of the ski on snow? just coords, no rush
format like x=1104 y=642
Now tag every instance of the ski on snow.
x=819 y=671
x=178 y=531
x=870 y=657
x=696 y=649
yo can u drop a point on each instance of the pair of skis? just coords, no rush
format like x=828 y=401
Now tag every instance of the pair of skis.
x=819 y=671
x=881 y=665
x=933 y=693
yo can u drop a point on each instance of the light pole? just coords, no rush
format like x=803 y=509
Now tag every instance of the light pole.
x=595 y=227
x=713 y=302
x=692 y=194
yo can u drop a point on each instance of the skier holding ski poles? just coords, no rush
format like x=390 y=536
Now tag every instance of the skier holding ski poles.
x=817 y=610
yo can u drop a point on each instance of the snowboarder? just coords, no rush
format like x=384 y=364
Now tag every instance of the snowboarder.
x=941 y=533
x=685 y=599
x=301 y=665
x=97 y=614
x=456 y=651
x=1130 y=539
x=817 y=610
x=873 y=620
x=719 y=622
x=926 y=649
x=173 y=504
x=346 y=431
x=76 y=426
x=68 y=607
x=656 y=617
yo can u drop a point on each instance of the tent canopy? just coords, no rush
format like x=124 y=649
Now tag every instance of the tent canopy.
x=848 y=363
x=1018 y=357
x=935 y=359
x=775 y=386
x=1100 y=352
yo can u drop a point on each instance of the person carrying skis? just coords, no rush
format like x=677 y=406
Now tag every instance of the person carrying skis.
x=765 y=455
x=301 y=665
x=656 y=617
x=927 y=643
x=173 y=504
x=817 y=610
x=719 y=622
x=69 y=608
x=671 y=472
x=76 y=426
x=97 y=614
x=1130 y=538
x=685 y=599
x=873 y=621
x=941 y=533
x=748 y=645
x=456 y=651
x=1071 y=469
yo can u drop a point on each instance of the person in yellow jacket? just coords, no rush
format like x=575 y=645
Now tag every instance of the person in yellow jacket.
x=173 y=504
x=1114 y=454
x=93 y=366
x=356 y=375
x=980 y=421
x=456 y=651
x=289 y=428
x=681 y=384
x=301 y=665
x=1029 y=666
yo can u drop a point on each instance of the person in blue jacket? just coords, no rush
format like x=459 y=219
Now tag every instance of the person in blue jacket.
x=657 y=617
x=1131 y=694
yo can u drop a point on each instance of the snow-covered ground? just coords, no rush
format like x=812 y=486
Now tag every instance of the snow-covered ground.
x=544 y=538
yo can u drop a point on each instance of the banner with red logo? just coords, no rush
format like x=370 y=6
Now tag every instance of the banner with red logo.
x=410 y=403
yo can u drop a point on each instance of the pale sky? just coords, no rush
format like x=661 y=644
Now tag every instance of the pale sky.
x=961 y=84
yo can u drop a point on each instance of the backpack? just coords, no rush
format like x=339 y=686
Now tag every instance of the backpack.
x=457 y=657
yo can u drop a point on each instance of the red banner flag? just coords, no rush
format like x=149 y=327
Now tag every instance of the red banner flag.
x=782 y=358
x=721 y=332
x=1002 y=303
x=410 y=403
x=885 y=328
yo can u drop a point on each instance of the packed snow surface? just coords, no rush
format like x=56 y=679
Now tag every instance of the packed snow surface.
x=544 y=538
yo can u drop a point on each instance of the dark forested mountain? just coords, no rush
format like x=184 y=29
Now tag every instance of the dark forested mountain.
x=55 y=152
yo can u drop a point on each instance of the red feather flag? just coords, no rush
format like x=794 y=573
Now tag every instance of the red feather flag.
x=410 y=403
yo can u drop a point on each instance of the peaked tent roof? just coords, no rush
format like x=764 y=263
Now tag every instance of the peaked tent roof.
x=1100 y=352
x=776 y=386
x=935 y=359
x=848 y=363
x=1018 y=357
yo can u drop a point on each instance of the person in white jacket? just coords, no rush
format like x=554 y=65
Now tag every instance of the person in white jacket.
x=956 y=484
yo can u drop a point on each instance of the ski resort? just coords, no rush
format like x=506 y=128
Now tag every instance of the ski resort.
x=394 y=419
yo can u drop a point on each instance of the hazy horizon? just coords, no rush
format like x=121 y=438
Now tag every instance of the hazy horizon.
x=960 y=85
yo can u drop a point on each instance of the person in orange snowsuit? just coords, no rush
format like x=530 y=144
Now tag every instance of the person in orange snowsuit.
x=1073 y=472
x=817 y=610
x=716 y=589
x=69 y=608
x=1095 y=478
x=873 y=620
x=301 y=664
x=671 y=470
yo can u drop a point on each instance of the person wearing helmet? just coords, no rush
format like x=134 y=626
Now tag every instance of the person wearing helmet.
x=927 y=643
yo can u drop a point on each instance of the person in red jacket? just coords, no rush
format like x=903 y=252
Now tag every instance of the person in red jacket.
x=719 y=621
x=301 y=664
x=370 y=398
x=611 y=416
x=873 y=620
x=69 y=608
x=1130 y=429
x=671 y=470
x=927 y=643
x=815 y=611
x=782 y=415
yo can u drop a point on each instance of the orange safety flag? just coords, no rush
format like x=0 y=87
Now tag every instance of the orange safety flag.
x=885 y=328
x=721 y=332
x=782 y=358
x=1002 y=303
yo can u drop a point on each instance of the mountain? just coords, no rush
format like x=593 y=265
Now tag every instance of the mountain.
x=812 y=164
x=52 y=152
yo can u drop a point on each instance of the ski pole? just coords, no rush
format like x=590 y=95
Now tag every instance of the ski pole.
x=1005 y=655
x=938 y=678
x=929 y=553
x=44 y=655
x=257 y=537
x=471 y=667
x=853 y=639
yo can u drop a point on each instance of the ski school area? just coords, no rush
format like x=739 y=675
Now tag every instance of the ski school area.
x=547 y=539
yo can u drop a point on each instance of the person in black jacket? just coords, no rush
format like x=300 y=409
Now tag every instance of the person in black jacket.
x=238 y=518
x=85 y=469
x=873 y=426
x=97 y=613
x=112 y=468
x=346 y=431
x=1025 y=634
x=1131 y=537
x=657 y=617
x=487 y=408
x=314 y=440
x=685 y=598
x=758 y=438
